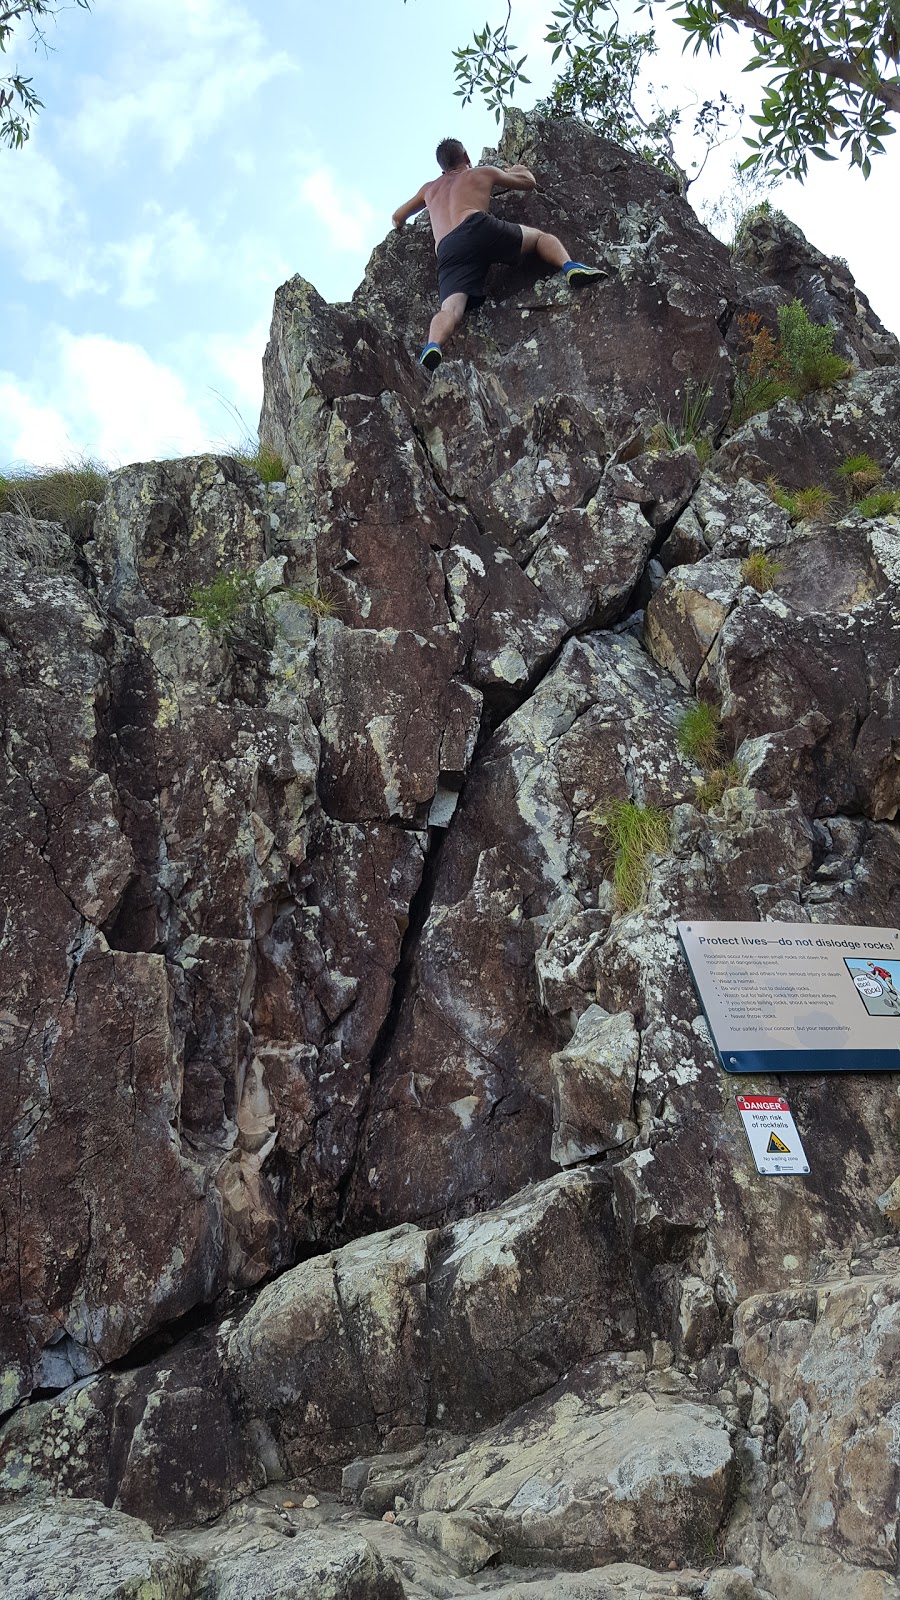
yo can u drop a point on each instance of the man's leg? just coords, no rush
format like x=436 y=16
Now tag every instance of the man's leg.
x=548 y=248
x=545 y=246
x=446 y=321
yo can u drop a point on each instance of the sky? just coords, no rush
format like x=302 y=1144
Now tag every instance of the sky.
x=193 y=154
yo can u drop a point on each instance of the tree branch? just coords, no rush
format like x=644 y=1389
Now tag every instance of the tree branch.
x=832 y=66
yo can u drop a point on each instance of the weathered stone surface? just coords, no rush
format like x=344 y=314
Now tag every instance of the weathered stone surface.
x=311 y=1566
x=349 y=1353
x=467 y=1077
x=171 y=526
x=587 y=561
x=802 y=443
x=593 y=1083
x=685 y=616
x=69 y=1549
x=826 y=1360
x=601 y=1465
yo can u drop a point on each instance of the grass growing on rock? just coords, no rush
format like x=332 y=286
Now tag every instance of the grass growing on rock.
x=632 y=834
x=804 y=505
x=220 y=603
x=700 y=734
x=60 y=494
x=884 y=503
x=859 y=474
x=760 y=571
x=321 y=605
x=715 y=783
x=234 y=600
x=266 y=463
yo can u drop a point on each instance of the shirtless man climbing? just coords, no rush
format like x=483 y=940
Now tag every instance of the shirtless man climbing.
x=468 y=239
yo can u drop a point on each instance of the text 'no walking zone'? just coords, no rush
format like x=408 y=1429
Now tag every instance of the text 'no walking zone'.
x=772 y=1134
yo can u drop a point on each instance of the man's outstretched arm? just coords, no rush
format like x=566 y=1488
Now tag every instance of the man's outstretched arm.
x=403 y=213
x=517 y=177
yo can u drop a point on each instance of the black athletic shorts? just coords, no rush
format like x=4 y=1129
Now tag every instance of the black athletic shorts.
x=464 y=256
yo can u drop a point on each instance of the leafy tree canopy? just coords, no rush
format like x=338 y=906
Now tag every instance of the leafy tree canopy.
x=18 y=100
x=830 y=67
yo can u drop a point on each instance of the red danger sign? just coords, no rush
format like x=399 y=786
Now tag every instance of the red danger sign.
x=761 y=1102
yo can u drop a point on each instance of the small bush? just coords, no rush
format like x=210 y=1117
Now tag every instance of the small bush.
x=220 y=604
x=710 y=791
x=762 y=208
x=632 y=834
x=807 y=349
x=58 y=495
x=886 y=503
x=760 y=571
x=859 y=474
x=798 y=361
x=763 y=375
x=700 y=735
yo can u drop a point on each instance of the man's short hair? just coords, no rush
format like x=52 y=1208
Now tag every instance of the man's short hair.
x=450 y=153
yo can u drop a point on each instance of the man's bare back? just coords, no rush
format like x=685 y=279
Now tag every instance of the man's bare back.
x=456 y=195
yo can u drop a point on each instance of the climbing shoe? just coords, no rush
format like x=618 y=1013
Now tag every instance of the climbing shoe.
x=577 y=274
x=431 y=357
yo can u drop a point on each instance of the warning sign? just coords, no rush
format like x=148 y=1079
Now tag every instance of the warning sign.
x=772 y=1134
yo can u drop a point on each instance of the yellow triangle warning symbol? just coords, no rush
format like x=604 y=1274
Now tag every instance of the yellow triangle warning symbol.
x=776 y=1146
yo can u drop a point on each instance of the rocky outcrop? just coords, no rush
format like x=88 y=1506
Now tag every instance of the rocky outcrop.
x=358 y=1137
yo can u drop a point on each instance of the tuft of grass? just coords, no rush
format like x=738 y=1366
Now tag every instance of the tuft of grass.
x=61 y=494
x=813 y=505
x=263 y=461
x=885 y=503
x=699 y=734
x=804 y=505
x=859 y=474
x=760 y=571
x=632 y=833
x=710 y=791
x=321 y=605
x=221 y=604
x=234 y=602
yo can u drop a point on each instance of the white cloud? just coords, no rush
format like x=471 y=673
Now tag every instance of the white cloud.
x=100 y=397
x=49 y=240
x=37 y=434
x=350 y=222
x=172 y=248
x=184 y=66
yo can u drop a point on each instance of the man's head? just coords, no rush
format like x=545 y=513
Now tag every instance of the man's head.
x=451 y=153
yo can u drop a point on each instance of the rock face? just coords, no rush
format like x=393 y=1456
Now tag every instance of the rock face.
x=357 y=1137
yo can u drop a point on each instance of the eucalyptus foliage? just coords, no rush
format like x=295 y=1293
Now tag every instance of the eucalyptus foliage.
x=18 y=101
x=831 y=69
